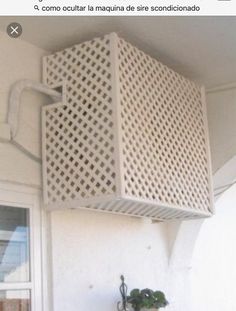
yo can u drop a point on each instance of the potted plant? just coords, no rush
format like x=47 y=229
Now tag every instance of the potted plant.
x=146 y=299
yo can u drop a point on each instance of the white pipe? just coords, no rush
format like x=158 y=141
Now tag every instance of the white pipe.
x=222 y=87
x=15 y=100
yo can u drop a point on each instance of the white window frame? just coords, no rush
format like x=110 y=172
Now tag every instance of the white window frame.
x=26 y=197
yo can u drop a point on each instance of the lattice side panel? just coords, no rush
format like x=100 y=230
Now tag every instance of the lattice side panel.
x=79 y=142
x=164 y=142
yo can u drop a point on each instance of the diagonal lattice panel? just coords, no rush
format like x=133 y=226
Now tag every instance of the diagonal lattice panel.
x=130 y=136
x=79 y=133
x=163 y=134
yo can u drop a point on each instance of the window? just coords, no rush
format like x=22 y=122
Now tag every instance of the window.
x=14 y=257
x=20 y=252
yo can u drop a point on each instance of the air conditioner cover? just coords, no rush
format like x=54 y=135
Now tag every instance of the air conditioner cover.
x=130 y=136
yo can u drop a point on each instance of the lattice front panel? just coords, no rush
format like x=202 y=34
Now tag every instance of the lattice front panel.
x=163 y=133
x=130 y=136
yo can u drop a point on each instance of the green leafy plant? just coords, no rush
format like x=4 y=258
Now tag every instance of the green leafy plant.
x=146 y=298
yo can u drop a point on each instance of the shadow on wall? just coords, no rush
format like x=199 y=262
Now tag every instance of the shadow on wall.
x=213 y=274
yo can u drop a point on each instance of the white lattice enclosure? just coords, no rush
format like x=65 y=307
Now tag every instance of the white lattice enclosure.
x=129 y=137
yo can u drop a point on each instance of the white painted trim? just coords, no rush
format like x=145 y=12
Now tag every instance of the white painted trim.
x=47 y=260
x=25 y=197
x=36 y=257
x=15 y=286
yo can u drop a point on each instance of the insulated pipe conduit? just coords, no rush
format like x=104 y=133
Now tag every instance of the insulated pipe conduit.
x=9 y=131
x=15 y=100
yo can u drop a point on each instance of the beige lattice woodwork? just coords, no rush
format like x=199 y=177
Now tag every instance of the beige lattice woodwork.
x=129 y=137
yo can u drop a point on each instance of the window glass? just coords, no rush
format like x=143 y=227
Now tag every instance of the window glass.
x=15 y=300
x=14 y=245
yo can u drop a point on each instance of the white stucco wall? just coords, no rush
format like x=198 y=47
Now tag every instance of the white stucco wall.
x=90 y=252
x=221 y=109
x=21 y=60
x=213 y=273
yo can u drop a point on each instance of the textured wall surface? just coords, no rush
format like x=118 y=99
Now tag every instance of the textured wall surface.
x=222 y=130
x=213 y=272
x=90 y=252
x=25 y=64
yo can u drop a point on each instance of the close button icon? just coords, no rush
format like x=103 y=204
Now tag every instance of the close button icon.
x=14 y=30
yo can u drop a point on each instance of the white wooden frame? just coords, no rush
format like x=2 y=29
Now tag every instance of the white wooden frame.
x=26 y=197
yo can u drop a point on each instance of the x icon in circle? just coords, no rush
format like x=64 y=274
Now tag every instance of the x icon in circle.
x=14 y=30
